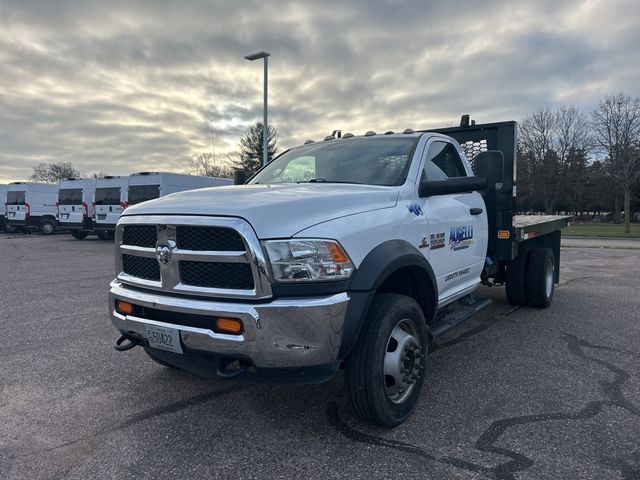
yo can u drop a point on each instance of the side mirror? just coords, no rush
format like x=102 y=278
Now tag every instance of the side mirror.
x=239 y=177
x=432 y=188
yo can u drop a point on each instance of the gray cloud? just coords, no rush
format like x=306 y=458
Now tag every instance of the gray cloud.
x=121 y=86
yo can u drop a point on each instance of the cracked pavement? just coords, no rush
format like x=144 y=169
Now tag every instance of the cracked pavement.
x=513 y=393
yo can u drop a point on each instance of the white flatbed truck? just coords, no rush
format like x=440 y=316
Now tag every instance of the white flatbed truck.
x=352 y=252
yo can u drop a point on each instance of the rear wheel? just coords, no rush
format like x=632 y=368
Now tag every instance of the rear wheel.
x=152 y=356
x=385 y=372
x=10 y=228
x=47 y=227
x=540 y=278
x=516 y=279
x=79 y=235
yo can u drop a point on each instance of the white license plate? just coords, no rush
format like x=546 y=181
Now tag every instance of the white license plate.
x=163 y=338
x=65 y=216
x=102 y=216
x=12 y=214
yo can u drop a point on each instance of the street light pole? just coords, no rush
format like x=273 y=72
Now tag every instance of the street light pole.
x=265 y=126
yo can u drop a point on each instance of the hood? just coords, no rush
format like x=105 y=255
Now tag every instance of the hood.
x=274 y=211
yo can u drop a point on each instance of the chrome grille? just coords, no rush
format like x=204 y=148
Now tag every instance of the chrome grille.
x=217 y=275
x=140 y=235
x=209 y=238
x=141 y=267
x=205 y=256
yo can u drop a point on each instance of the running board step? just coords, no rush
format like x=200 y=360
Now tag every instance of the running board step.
x=457 y=316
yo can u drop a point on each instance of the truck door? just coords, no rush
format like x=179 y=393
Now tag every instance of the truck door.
x=457 y=223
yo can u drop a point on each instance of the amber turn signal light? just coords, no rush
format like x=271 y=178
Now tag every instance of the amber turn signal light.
x=124 y=308
x=503 y=234
x=229 y=325
x=336 y=252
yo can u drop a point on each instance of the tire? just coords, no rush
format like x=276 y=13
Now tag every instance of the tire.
x=102 y=234
x=516 y=279
x=392 y=346
x=10 y=228
x=540 y=280
x=47 y=227
x=152 y=356
x=79 y=235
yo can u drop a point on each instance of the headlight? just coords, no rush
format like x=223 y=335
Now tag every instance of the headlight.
x=308 y=260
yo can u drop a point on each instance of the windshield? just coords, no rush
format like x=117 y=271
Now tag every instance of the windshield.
x=142 y=193
x=15 y=198
x=372 y=161
x=70 y=196
x=108 y=196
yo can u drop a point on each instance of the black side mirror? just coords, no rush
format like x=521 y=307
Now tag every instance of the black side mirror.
x=239 y=177
x=431 y=188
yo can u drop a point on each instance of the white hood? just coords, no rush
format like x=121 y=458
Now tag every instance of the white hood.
x=274 y=211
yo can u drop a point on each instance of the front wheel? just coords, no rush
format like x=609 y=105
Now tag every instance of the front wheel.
x=385 y=372
x=47 y=227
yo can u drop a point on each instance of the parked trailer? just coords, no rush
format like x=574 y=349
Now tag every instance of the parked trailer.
x=32 y=206
x=145 y=186
x=75 y=205
x=110 y=201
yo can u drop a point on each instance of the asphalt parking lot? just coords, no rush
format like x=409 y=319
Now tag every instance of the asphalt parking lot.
x=514 y=393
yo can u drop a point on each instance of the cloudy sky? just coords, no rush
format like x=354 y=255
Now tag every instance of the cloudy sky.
x=127 y=86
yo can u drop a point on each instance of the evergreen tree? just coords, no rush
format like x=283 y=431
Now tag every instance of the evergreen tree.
x=251 y=148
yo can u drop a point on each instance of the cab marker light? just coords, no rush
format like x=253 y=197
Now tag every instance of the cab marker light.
x=504 y=234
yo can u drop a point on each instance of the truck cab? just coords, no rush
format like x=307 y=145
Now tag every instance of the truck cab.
x=32 y=206
x=352 y=253
x=76 y=205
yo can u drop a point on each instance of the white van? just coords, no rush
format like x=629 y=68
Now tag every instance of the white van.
x=145 y=186
x=3 y=206
x=110 y=201
x=75 y=205
x=32 y=206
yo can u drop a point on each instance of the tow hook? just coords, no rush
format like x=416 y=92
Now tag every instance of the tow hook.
x=132 y=339
x=234 y=372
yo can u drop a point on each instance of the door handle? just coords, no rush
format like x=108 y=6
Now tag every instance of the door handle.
x=475 y=211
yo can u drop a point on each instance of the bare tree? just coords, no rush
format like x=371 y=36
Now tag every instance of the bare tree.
x=616 y=124
x=204 y=164
x=53 y=172
x=551 y=139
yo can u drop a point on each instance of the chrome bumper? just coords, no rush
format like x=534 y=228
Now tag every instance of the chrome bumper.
x=285 y=333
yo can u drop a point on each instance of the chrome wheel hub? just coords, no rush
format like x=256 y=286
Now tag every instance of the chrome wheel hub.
x=403 y=361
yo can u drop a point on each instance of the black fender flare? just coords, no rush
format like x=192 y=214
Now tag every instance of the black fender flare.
x=379 y=264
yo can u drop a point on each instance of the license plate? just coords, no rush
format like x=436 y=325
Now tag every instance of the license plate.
x=65 y=216
x=163 y=338
x=12 y=214
x=102 y=216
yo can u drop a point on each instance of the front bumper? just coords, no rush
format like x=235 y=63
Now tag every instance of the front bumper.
x=297 y=335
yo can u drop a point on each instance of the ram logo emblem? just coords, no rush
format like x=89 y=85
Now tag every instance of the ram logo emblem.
x=164 y=252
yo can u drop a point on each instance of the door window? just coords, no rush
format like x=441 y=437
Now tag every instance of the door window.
x=442 y=162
